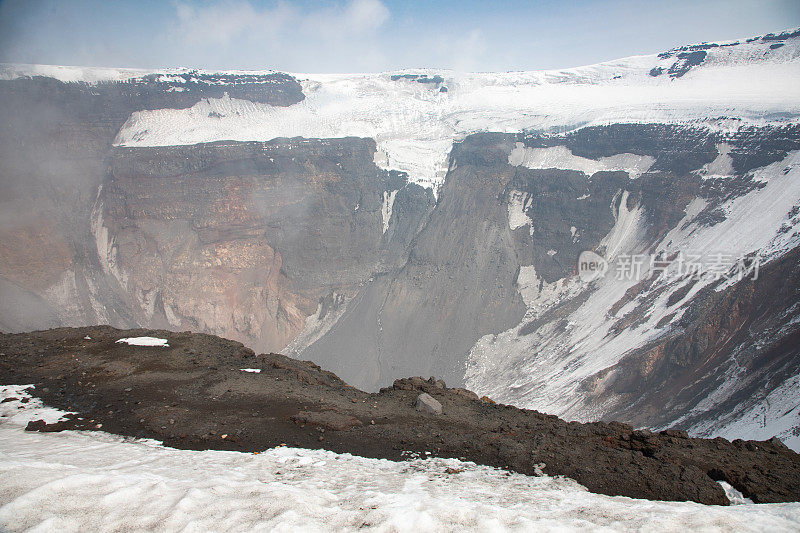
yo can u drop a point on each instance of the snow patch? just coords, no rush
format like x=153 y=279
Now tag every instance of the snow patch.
x=734 y=496
x=105 y=244
x=386 y=208
x=776 y=414
x=20 y=407
x=69 y=74
x=721 y=166
x=626 y=230
x=561 y=157
x=144 y=341
x=518 y=203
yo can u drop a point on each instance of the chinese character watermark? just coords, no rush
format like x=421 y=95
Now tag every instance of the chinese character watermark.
x=717 y=265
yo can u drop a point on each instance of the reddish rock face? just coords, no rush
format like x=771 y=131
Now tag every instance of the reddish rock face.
x=33 y=251
x=54 y=140
x=228 y=237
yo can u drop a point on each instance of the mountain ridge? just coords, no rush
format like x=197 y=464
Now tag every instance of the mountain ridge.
x=197 y=391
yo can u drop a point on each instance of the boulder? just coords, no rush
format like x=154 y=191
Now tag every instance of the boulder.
x=428 y=404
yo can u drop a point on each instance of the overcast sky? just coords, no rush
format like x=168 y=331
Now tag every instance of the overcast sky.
x=370 y=35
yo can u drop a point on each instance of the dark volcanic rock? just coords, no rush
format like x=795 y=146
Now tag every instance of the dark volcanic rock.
x=326 y=419
x=559 y=201
x=685 y=62
x=419 y=78
x=677 y=149
x=757 y=147
x=425 y=403
x=194 y=395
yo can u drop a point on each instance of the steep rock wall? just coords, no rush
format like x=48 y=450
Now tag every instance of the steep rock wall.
x=244 y=239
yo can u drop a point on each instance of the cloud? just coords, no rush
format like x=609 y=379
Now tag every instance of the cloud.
x=365 y=15
x=468 y=52
x=282 y=34
x=221 y=23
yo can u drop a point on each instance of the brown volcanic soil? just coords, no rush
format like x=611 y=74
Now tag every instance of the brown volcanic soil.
x=194 y=395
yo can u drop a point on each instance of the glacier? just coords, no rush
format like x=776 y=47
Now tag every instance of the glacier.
x=415 y=124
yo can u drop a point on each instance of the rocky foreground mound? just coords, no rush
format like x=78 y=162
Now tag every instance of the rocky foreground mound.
x=204 y=392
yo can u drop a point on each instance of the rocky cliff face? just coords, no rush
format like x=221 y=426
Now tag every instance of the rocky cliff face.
x=245 y=239
x=54 y=140
x=727 y=346
x=456 y=285
x=665 y=347
x=500 y=251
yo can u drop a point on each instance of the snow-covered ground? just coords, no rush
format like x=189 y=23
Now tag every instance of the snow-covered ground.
x=562 y=158
x=93 y=481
